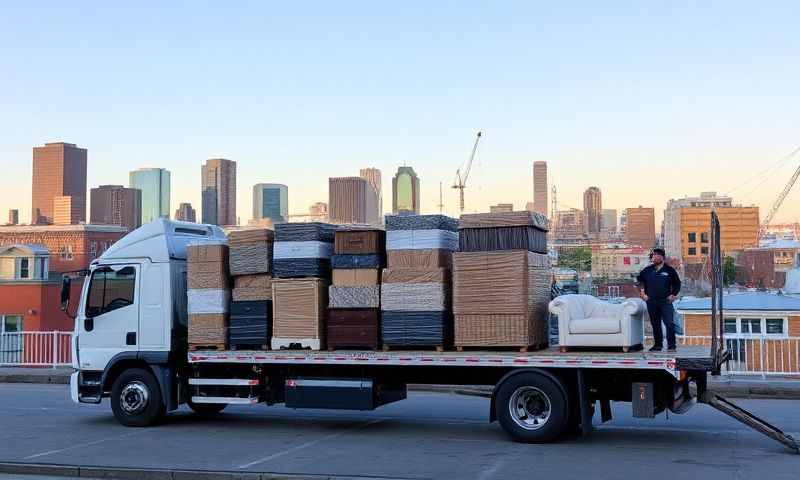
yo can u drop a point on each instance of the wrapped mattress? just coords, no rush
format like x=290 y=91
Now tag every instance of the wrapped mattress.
x=372 y=260
x=299 y=308
x=354 y=296
x=353 y=328
x=501 y=298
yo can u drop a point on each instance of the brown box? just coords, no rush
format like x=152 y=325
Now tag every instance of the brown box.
x=204 y=280
x=500 y=298
x=409 y=275
x=356 y=277
x=207 y=253
x=208 y=329
x=252 y=287
x=299 y=307
x=419 y=259
x=356 y=242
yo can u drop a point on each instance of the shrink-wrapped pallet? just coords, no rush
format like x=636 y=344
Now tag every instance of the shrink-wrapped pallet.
x=299 y=308
x=250 y=324
x=480 y=232
x=500 y=299
x=252 y=288
x=356 y=276
x=354 y=296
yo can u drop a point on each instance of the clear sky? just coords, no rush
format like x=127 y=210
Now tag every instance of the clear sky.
x=647 y=100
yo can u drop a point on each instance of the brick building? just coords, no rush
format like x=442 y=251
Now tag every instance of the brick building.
x=352 y=200
x=218 y=184
x=615 y=263
x=640 y=227
x=116 y=205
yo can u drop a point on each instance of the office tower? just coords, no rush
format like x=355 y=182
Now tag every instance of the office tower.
x=66 y=209
x=185 y=213
x=13 y=216
x=640 y=228
x=540 y=188
x=154 y=183
x=373 y=176
x=116 y=205
x=592 y=208
x=352 y=200
x=219 y=192
x=687 y=226
x=271 y=201
x=608 y=220
x=59 y=170
x=502 y=208
x=405 y=191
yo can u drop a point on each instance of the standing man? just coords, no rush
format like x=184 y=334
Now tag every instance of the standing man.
x=659 y=286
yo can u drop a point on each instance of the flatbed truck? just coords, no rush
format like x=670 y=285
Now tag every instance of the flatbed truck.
x=130 y=347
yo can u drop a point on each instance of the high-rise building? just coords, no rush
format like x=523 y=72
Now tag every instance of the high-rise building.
x=592 y=208
x=373 y=176
x=352 y=200
x=405 y=191
x=13 y=216
x=687 y=226
x=540 y=188
x=116 y=205
x=609 y=220
x=271 y=201
x=569 y=225
x=501 y=208
x=185 y=213
x=67 y=209
x=640 y=228
x=219 y=192
x=154 y=183
x=59 y=170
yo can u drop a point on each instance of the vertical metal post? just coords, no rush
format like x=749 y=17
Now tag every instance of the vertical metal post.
x=55 y=349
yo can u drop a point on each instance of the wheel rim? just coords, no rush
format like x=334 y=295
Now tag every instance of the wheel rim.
x=529 y=408
x=134 y=397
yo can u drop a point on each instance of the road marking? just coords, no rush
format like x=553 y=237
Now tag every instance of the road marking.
x=307 y=444
x=81 y=445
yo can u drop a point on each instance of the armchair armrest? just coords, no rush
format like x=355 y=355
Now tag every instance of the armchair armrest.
x=558 y=306
x=634 y=314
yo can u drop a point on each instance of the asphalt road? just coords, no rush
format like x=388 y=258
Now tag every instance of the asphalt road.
x=429 y=435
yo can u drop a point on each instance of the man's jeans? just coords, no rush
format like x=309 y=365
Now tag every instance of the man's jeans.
x=662 y=311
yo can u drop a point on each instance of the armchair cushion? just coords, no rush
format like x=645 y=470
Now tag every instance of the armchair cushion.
x=602 y=325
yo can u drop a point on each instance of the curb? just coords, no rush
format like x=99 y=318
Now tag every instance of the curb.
x=123 y=473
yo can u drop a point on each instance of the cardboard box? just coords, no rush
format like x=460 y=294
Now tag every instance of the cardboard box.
x=352 y=277
x=207 y=253
x=252 y=287
x=208 y=329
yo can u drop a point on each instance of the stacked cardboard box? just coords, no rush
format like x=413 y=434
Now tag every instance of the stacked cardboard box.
x=353 y=314
x=500 y=295
x=208 y=294
x=251 y=309
x=302 y=272
x=416 y=285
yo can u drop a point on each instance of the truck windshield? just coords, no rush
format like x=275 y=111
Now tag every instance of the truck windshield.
x=110 y=290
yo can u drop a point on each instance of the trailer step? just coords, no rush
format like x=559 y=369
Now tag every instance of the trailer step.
x=224 y=381
x=734 y=411
x=227 y=400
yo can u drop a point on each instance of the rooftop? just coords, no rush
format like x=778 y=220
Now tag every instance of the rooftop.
x=747 y=301
x=28 y=249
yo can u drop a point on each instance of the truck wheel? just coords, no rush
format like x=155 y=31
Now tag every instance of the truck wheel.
x=136 y=399
x=531 y=408
x=206 y=408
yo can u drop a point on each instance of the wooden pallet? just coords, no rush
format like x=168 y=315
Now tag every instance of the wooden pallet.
x=400 y=348
x=193 y=347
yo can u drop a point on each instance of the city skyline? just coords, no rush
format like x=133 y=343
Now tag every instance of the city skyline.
x=696 y=133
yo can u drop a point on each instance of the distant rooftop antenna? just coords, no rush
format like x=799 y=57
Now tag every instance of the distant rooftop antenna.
x=441 y=203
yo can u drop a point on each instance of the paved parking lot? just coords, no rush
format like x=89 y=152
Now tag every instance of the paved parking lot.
x=429 y=435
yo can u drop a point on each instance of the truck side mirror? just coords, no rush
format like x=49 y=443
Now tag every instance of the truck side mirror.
x=66 y=284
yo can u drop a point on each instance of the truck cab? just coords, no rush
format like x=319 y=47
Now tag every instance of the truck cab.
x=131 y=319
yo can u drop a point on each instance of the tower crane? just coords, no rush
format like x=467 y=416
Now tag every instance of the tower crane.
x=781 y=197
x=463 y=173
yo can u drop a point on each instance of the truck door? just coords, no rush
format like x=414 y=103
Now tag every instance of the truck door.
x=109 y=322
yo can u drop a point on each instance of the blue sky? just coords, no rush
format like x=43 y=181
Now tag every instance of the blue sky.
x=646 y=100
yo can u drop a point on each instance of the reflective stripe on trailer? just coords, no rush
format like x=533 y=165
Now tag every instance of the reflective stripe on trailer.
x=427 y=359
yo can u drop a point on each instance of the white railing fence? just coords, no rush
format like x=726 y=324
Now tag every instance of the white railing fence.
x=757 y=354
x=35 y=349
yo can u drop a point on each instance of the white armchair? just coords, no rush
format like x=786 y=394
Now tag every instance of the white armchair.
x=587 y=321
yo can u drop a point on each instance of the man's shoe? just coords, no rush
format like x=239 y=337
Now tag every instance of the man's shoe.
x=672 y=349
x=655 y=348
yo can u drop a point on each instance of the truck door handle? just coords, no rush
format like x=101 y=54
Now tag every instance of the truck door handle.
x=130 y=338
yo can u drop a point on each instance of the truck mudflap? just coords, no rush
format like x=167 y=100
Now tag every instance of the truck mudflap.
x=734 y=411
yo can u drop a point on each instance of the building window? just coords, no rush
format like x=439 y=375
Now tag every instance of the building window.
x=110 y=290
x=749 y=326
x=692 y=237
x=745 y=327
x=692 y=251
x=704 y=237
x=10 y=323
x=704 y=250
x=24 y=268
x=92 y=250
x=774 y=326
x=730 y=325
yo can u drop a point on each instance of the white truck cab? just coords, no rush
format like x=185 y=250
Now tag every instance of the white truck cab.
x=131 y=317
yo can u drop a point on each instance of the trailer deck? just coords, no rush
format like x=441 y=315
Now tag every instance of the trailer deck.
x=686 y=357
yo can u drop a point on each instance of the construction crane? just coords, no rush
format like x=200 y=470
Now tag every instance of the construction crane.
x=781 y=197
x=461 y=180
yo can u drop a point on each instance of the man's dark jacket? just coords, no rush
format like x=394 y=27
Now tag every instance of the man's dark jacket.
x=659 y=284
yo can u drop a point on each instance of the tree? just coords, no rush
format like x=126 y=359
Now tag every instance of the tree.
x=579 y=259
x=728 y=271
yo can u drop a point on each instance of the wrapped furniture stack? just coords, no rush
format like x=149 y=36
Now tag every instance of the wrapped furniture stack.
x=208 y=294
x=501 y=281
x=301 y=269
x=251 y=306
x=416 y=285
x=354 y=296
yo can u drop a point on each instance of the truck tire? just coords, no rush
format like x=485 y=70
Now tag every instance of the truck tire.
x=206 y=409
x=531 y=408
x=136 y=399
